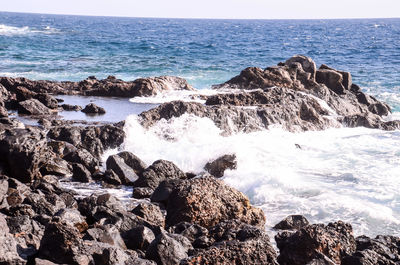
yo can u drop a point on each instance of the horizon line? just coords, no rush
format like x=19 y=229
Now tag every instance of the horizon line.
x=198 y=18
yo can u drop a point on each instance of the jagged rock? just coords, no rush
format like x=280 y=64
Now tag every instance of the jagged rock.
x=193 y=232
x=3 y=112
x=139 y=238
x=218 y=166
x=133 y=161
x=141 y=193
x=47 y=100
x=164 y=190
x=33 y=107
x=332 y=79
x=151 y=213
x=106 y=234
x=335 y=241
x=22 y=151
x=73 y=218
x=69 y=107
x=125 y=173
x=93 y=109
x=80 y=173
x=307 y=64
x=383 y=250
x=191 y=202
x=55 y=166
x=292 y=222
x=111 y=178
x=159 y=171
x=168 y=249
x=82 y=156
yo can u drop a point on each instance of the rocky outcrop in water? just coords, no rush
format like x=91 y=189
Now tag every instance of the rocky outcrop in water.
x=293 y=94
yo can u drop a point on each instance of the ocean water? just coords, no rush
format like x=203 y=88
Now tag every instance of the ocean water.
x=347 y=174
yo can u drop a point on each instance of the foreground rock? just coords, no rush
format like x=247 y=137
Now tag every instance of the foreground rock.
x=218 y=166
x=191 y=202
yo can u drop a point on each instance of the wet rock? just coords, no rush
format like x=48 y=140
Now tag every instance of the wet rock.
x=68 y=107
x=141 y=193
x=125 y=173
x=139 y=238
x=151 y=213
x=111 y=178
x=133 y=161
x=80 y=173
x=159 y=171
x=335 y=241
x=191 y=202
x=218 y=166
x=82 y=156
x=47 y=100
x=292 y=222
x=23 y=151
x=33 y=107
x=380 y=250
x=56 y=166
x=168 y=249
x=93 y=109
x=163 y=191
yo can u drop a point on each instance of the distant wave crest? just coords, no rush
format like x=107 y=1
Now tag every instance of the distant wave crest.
x=11 y=30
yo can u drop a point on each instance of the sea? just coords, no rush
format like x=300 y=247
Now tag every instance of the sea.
x=349 y=174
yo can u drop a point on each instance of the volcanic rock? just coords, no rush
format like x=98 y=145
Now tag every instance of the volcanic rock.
x=93 y=109
x=218 y=166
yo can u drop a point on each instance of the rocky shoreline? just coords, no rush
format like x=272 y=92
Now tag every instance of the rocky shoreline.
x=175 y=220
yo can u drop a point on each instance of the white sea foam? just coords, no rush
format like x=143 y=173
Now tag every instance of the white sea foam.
x=347 y=174
x=11 y=30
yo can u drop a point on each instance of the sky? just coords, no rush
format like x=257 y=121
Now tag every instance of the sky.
x=243 y=9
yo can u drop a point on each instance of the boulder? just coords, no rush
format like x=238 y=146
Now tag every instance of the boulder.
x=93 y=109
x=133 y=161
x=47 y=100
x=125 y=173
x=80 y=173
x=218 y=166
x=335 y=241
x=332 y=79
x=139 y=237
x=159 y=171
x=33 y=107
x=191 y=202
x=68 y=107
x=83 y=157
x=168 y=249
x=307 y=64
x=151 y=213
x=292 y=222
x=23 y=151
x=163 y=191
x=141 y=193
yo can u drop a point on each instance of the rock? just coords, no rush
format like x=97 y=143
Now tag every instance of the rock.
x=332 y=79
x=151 y=213
x=141 y=193
x=68 y=107
x=33 y=107
x=111 y=178
x=82 y=156
x=192 y=232
x=3 y=112
x=381 y=250
x=23 y=151
x=56 y=166
x=80 y=173
x=106 y=234
x=164 y=190
x=159 y=171
x=218 y=166
x=307 y=64
x=191 y=202
x=168 y=249
x=47 y=100
x=72 y=217
x=335 y=241
x=125 y=173
x=43 y=262
x=133 y=161
x=139 y=238
x=292 y=222
x=347 y=79
x=93 y=109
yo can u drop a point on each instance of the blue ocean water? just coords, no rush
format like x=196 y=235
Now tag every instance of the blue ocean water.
x=347 y=174
x=205 y=52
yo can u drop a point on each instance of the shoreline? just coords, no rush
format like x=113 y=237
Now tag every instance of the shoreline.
x=183 y=223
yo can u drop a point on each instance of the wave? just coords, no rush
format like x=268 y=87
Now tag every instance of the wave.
x=11 y=30
x=346 y=174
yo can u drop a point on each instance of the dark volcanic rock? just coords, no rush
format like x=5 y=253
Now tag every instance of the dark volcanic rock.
x=335 y=241
x=82 y=156
x=168 y=249
x=159 y=171
x=164 y=190
x=191 y=202
x=80 y=173
x=23 y=151
x=151 y=213
x=125 y=173
x=33 y=107
x=332 y=79
x=69 y=107
x=292 y=222
x=47 y=100
x=93 y=109
x=142 y=192
x=139 y=238
x=218 y=166
x=383 y=250
x=133 y=161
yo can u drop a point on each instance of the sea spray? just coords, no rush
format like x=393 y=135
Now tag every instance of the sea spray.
x=348 y=173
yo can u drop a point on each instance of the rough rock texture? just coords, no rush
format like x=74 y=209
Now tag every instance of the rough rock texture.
x=292 y=222
x=93 y=109
x=33 y=107
x=335 y=241
x=293 y=94
x=191 y=202
x=69 y=107
x=218 y=166
x=159 y=171
x=125 y=173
